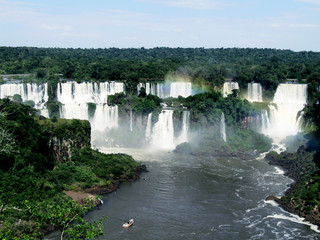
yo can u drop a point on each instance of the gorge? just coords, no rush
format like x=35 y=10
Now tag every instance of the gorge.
x=223 y=196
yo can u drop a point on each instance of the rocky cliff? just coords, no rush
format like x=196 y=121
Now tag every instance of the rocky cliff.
x=66 y=136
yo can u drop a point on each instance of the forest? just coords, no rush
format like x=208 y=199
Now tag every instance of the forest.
x=206 y=66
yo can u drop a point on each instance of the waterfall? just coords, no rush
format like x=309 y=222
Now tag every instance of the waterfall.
x=28 y=92
x=254 y=92
x=73 y=92
x=228 y=87
x=185 y=127
x=149 y=127
x=74 y=111
x=167 y=89
x=75 y=98
x=265 y=122
x=163 y=132
x=223 y=128
x=183 y=89
x=131 y=124
x=105 y=117
x=288 y=100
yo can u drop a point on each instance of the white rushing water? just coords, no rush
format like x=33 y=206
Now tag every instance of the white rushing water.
x=223 y=128
x=254 y=92
x=163 y=133
x=167 y=89
x=28 y=92
x=282 y=120
x=228 y=87
x=86 y=92
x=131 y=121
x=185 y=127
x=149 y=128
x=75 y=98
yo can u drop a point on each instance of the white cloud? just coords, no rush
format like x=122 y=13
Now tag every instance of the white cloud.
x=192 y=4
x=56 y=27
x=316 y=2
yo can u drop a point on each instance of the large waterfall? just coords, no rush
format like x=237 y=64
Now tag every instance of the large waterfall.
x=163 y=132
x=75 y=98
x=86 y=92
x=288 y=100
x=228 y=87
x=162 y=135
x=28 y=92
x=254 y=92
x=167 y=89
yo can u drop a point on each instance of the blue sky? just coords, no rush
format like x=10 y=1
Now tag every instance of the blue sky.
x=280 y=24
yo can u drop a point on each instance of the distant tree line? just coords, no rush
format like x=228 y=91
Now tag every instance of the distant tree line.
x=209 y=66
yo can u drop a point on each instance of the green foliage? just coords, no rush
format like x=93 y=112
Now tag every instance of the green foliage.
x=53 y=108
x=296 y=164
x=241 y=143
x=303 y=197
x=31 y=195
x=78 y=130
x=91 y=109
x=29 y=103
x=249 y=140
x=17 y=98
x=30 y=138
x=138 y=104
x=207 y=67
x=116 y=166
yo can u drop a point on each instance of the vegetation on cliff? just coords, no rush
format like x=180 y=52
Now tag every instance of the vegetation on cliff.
x=31 y=181
x=205 y=117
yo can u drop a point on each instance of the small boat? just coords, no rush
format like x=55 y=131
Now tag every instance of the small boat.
x=128 y=224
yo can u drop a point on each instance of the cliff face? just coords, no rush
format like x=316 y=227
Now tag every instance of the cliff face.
x=66 y=137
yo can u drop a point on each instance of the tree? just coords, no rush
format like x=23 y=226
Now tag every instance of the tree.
x=6 y=141
x=67 y=217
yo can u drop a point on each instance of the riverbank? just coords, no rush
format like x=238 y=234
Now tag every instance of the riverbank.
x=94 y=191
x=302 y=197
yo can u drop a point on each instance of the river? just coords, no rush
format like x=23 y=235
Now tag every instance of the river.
x=187 y=197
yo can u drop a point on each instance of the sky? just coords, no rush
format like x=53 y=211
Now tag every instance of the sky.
x=278 y=24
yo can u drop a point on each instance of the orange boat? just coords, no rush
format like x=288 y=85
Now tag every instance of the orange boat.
x=128 y=224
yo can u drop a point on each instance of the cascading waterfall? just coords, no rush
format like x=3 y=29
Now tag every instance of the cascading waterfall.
x=167 y=89
x=149 y=128
x=76 y=96
x=185 y=127
x=288 y=100
x=131 y=122
x=228 y=87
x=28 y=92
x=183 y=89
x=254 y=92
x=265 y=122
x=73 y=92
x=105 y=117
x=163 y=132
x=223 y=128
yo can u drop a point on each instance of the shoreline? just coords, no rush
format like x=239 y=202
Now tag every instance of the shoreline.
x=287 y=201
x=93 y=192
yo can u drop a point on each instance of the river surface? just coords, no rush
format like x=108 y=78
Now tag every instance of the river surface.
x=187 y=197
